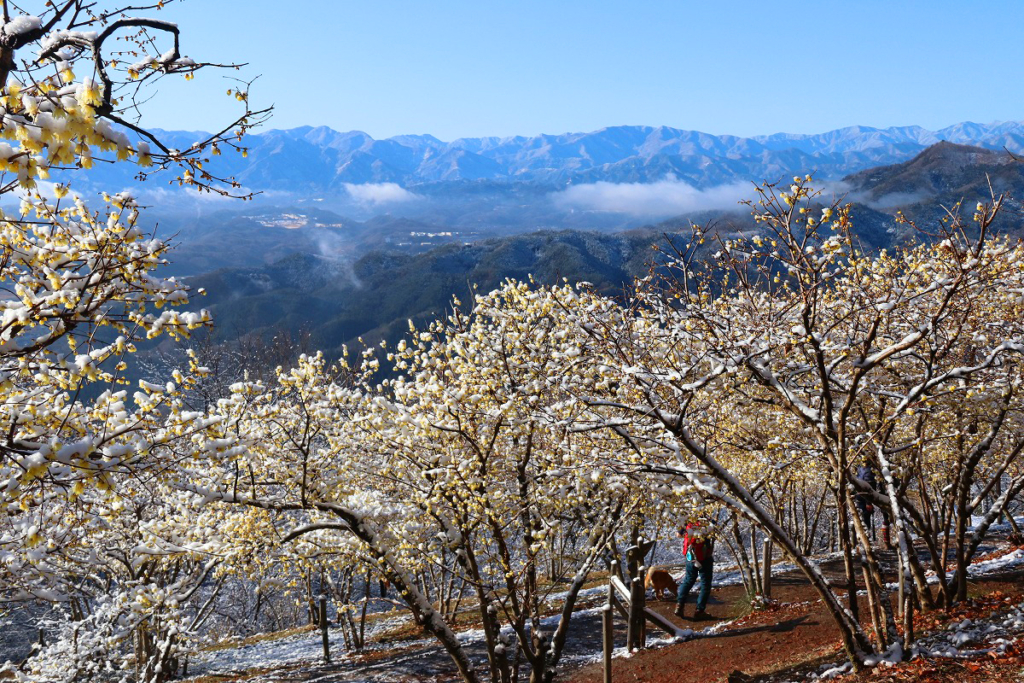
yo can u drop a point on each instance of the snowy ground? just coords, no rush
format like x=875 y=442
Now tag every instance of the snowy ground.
x=967 y=638
x=306 y=649
x=1010 y=561
x=291 y=650
x=423 y=658
x=963 y=639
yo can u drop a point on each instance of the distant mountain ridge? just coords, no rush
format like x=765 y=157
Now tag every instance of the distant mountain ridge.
x=372 y=290
x=318 y=160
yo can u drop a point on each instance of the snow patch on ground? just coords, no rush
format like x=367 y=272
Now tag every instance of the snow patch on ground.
x=963 y=639
x=1011 y=560
x=301 y=648
x=1008 y=562
x=971 y=638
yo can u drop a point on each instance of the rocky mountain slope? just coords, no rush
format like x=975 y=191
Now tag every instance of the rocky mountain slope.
x=615 y=154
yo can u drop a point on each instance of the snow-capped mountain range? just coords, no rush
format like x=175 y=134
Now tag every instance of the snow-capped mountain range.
x=310 y=160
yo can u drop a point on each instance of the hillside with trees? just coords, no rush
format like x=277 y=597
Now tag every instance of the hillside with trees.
x=487 y=470
x=370 y=289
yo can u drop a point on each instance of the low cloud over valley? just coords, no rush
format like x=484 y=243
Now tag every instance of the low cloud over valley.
x=667 y=197
x=380 y=193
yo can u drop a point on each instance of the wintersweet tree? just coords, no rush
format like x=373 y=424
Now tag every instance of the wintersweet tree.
x=484 y=418
x=293 y=448
x=82 y=294
x=120 y=550
x=75 y=76
x=954 y=462
x=80 y=282
x=132 y=564
x=467 y=462
x=795 y=331
x=81 y=289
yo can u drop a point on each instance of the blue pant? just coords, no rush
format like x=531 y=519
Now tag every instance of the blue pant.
x=691 y=577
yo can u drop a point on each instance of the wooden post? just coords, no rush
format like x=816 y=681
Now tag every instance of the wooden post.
x=643 y=625
x=607 y=633
x=636 y=632
x=636 y=599
x=645 y=549
x=622 y=596
x=766 y=580
x=323 y=629
x=310 y=599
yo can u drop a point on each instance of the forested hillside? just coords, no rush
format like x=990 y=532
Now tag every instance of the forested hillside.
x=337 y=301
x=370 y=288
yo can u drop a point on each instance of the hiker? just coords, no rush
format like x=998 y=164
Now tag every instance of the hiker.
x=698 y=549
x=861 y=500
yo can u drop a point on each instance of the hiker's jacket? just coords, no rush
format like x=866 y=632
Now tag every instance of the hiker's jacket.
x=861 y=500
x=696 y=546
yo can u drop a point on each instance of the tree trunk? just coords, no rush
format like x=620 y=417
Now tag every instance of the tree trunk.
x=323 y=630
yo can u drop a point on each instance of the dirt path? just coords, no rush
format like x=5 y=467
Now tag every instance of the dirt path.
x=782 y=644
x=758 y=636
x=799 y=630
x=754 y=644
x=751 y=646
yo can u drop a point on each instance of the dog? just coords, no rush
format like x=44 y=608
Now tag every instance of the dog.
x=660 y=580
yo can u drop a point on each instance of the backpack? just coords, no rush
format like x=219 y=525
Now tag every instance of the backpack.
x=697 y=550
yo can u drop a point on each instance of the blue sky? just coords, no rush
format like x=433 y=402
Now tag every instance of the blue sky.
x=461 y=69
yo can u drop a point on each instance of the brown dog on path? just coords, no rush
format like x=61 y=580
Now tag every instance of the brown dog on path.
x=660 y=580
